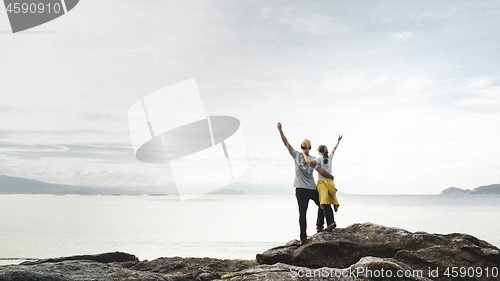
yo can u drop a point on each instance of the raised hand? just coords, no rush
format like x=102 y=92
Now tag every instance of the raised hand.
x=337 y=144
x=283 y=138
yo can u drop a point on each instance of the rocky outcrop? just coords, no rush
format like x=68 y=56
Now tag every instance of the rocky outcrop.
x=358 y=252
x=121 y=266
x=76 y=270
x=420 y=250
x=482 y=190
x=366 y=269
x=176 y=269
x=115 y=257
x=194 y=268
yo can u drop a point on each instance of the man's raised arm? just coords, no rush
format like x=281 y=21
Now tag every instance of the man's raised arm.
x=283 y=138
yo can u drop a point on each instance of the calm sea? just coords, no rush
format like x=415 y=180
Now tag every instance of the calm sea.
x=219 y=226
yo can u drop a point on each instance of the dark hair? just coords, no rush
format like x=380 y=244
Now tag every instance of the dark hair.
x=323 y=150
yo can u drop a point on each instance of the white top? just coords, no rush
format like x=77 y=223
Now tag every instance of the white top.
x=303 y=171
x=327 y=167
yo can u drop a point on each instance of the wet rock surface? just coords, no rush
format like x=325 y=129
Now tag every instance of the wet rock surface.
x=364 y=270
x=194 y=268
x=76 y=270
x=358 y=252
x=121 y=266
x=116 y=257
x=420 y=250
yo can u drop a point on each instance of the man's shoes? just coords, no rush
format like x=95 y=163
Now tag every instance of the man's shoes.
x=331 y=227
x=303 y=241
x=318 y=230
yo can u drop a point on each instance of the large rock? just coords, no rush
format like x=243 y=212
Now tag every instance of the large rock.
x=194 y=268
x=200 y=269
x=121 y=266
x=366 y=269
x=77 y=270
x=359 y=252
x=421 y=251
x=112 y=257
x=460 y=253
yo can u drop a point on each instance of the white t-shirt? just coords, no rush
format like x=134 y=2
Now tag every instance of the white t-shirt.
x=303 y=171
x=327 y=167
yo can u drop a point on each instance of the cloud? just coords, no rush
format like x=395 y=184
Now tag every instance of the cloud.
x=481 y=95
x=425 y=16
x=74 y=171
x=115 y=153
x=393 y=126
x=47 y=136
x=484 y=48
x=403 y=36
x=96 y=116
x=480 y=82
x=304 y=19
x=36 y=147
x=416 y=87
x=4 y=109
x=261 y=62
x=350 y=82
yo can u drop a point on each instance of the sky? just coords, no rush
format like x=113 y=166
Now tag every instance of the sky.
x=413 y=86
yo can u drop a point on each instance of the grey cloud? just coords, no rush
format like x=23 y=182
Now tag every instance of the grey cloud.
x=4 y=109
x=95 y=116
x=112 y=153
x=65 y=133
x=4 y=135
x=449 y=33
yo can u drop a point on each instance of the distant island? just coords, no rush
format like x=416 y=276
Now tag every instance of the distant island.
x=227 y=191
x=485 y=189
x=15 y=185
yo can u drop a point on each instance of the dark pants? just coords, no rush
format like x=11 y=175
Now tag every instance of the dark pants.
x=327 y=209
x=303 y=196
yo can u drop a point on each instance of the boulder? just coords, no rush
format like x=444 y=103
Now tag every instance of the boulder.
x=420 y=250
x=460 y=253
x=176 y=269
x=194 y=268
x=118 y=257
x=77 y=270
x=121 y=266
x=366 y=269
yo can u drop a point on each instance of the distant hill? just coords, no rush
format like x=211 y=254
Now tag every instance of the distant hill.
x=14 y=185
x=228 y=191
x=149 y=189
x=485 y=189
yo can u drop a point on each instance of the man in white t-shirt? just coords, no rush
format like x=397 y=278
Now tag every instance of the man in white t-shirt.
x=305 y=187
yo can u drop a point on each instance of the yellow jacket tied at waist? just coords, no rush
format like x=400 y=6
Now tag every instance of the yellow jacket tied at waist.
x=327 y=194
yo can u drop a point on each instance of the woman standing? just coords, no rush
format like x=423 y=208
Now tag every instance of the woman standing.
x=326 y=187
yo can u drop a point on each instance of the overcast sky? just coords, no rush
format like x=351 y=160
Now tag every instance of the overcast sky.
x=413 y=86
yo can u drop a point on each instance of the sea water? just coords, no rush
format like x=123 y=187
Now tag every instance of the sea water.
x=218 y=226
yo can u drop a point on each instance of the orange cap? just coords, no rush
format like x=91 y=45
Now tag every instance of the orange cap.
x=305 y=145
